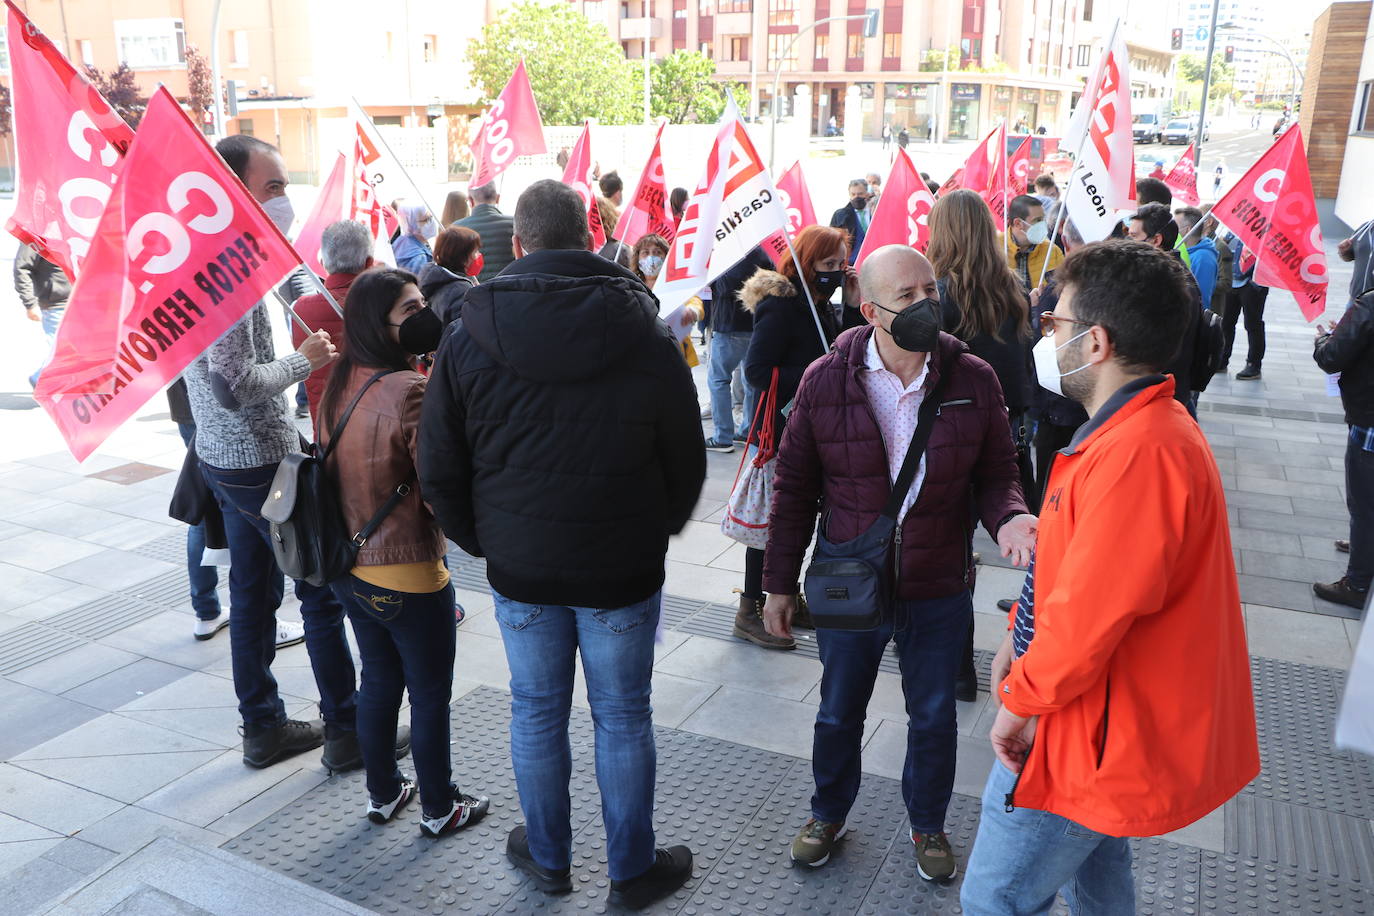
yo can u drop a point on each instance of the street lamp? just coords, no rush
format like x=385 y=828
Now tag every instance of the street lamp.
x=870 y=18
x=1298 y=80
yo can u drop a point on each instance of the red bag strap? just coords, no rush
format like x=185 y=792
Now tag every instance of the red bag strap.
x=767 y=408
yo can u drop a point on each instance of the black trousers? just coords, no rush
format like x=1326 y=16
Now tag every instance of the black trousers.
x=1248 y=301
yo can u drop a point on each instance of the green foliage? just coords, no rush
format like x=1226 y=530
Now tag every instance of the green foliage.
x=1188 y=78
x=936 y=61
x=576 y=69
x=120 y=89
x=684 y=89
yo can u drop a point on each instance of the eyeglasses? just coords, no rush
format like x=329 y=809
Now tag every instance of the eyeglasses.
x=1048 y=320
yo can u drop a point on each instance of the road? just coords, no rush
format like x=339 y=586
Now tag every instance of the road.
x=1237 y=150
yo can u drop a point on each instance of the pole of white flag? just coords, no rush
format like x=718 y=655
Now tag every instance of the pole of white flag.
x=291 y=311
x=217 y=127
x=801 y=278
x=1006 y=166
x=434 y=214
x=1077 y=157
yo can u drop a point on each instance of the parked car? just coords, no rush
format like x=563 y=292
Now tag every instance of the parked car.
x=1145 y=128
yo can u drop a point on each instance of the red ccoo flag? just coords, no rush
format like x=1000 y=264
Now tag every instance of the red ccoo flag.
x=578 y=176
x=995 y=194
x=903 y=211
x=978 y=174
x=1273 y=212
x=1182 y=179
x=1018 y=170
x=953 y=183
x=648 y=211
x=796 y=199
x=328 y=208
x=510 y=128
x=181 y=253
x=68 y=142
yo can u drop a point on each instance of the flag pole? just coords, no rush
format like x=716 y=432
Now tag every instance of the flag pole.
x=291 y=311
x=801 y=279
x=434 y=215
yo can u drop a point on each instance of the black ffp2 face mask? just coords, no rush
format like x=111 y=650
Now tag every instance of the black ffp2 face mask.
x=827 y=281
x=420 y=333
x=916 y=327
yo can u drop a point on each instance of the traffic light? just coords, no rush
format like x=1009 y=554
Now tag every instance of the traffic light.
x=1230 y=54
x=1176 y=40
x=870 y=23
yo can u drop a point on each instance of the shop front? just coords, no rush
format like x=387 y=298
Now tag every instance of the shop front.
x=908 y=105
x=963 y=111
x=1000 y=111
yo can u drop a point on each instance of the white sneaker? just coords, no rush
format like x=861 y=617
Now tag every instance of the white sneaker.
x=289 y=632
x=207 y=628
x=706 y=412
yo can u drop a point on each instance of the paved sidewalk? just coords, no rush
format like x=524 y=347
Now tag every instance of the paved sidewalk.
x=118 y=727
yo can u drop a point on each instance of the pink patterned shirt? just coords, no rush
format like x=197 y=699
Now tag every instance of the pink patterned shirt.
x=896 y=408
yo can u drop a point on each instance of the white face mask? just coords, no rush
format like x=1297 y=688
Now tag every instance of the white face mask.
x=428 y=229
x=651 y=265
x=1038 y=233
x=280 y=211
x=1046 y=356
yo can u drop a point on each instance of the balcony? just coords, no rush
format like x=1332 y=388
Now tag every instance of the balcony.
x=631 y=29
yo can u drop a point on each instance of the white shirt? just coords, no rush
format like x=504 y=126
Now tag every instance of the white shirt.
x=896 y=408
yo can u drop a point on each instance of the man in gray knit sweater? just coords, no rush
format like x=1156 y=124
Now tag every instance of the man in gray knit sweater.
x=242 y=434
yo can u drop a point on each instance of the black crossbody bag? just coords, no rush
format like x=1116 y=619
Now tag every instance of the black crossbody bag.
x=309 y=539
x=850 y=586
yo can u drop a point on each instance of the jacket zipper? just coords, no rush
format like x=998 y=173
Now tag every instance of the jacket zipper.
x=1010 y=801
x=1106 y=720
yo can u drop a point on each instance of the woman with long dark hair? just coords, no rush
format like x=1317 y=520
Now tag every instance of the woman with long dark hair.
x=787 y=339
x=398 y=596
x=983 y=304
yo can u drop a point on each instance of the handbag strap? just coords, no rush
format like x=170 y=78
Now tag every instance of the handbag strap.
x=401 y=492
x=348 y=412
x=925 y=421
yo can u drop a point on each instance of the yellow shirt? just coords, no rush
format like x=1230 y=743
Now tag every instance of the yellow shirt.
x=414 y=578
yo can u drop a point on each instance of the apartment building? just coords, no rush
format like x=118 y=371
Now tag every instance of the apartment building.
x=295 y=63
x=1012 y=60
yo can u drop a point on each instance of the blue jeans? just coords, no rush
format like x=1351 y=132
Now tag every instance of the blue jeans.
x=1022 y=859
x=50 y=319
x=728 y=349
x=406 y=642
x=929 y=636
x=617 y=648
x=256 y=586
x=204 y=579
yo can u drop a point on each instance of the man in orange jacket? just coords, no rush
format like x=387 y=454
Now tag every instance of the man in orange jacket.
x=1124 y=681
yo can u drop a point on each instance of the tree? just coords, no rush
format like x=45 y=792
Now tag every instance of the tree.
x=576 y=69
x=684 y=89
x=1189 y=78
x=200 y=95
x=120 y=89
x=936 y=61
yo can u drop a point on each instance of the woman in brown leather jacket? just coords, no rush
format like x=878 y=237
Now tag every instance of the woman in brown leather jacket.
x=398 y=596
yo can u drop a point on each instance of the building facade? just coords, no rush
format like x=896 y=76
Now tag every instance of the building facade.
x=296 y=63
x=949 y=69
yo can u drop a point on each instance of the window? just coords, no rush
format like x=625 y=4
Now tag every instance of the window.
x=705 y=7
x=595 y=10
x=84 y=49
x=151 y=44
x=737 y=47
x=856 y=46
x=246 y=127
x=1364 y=124
x=4 y=50
x=777 y=46
x=735 y=6
x=431 y=48
x=240 y=43
x=782 y=12
x=1087 y=10
x=892 y=44
x=1084 y=55
x=822 y=47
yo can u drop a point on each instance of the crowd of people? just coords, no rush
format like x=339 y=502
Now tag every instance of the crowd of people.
x=509 y=390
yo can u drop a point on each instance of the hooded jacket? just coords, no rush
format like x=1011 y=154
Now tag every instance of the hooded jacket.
x=1138 y=667
x=833 y=456
x=1202 y=260
x=560 y=435
x=445 y=291
x=785 y=336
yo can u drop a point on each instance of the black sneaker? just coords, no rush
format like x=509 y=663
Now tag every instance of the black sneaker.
x=1249 y=373
x=1005 y=604
x=1343 y=546
x=719 y=445
x=1342 y=592
x=546 y=879
x=467 y=809
x=342 y=753
x=966 y=688
x=672 y=868
x=292 y=737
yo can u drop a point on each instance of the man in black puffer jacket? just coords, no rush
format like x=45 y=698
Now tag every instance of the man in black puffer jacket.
x=561 y=440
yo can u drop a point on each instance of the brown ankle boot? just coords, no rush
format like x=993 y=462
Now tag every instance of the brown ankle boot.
x=802 y=620
x=749 y=625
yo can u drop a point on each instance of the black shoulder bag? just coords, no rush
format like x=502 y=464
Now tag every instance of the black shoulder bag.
x=850 y=586
x=309 y=538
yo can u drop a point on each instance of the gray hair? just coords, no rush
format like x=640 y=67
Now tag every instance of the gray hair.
x=345 y=247
x=484 y=194
x=1072 y=237
x=859 y=183
x=551 y=215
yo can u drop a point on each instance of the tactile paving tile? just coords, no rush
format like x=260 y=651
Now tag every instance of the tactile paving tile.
x=1231 y=885
x=169 y=548
x=1310 y=776
x=31 y=643
x=1167 y=876
x=104 y=616
x=165 y=589
x=897 y=888
x=1335 y=845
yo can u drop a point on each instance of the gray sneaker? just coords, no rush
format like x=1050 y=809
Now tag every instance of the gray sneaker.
x=934 y=857
x=816 y=842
